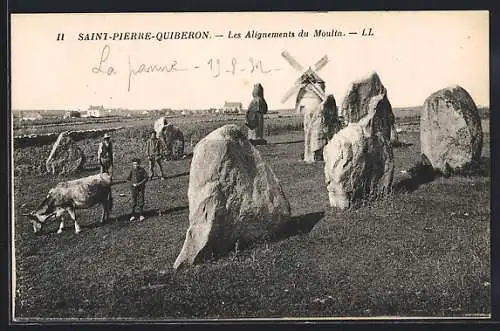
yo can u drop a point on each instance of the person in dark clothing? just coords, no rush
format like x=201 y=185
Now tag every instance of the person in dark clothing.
x=138 y=178
x=105 y=155
x=154 y=150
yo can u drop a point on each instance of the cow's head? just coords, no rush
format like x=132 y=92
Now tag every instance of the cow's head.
x=41 y=214
x=38 y=219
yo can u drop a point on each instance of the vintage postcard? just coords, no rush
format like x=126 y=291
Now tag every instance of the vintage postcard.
x=250 y=166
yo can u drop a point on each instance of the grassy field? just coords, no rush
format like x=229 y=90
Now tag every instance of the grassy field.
x=424 y=251
x=133 y=137
x=59 y=125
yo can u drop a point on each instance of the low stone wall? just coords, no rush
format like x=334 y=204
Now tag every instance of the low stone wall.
x=50 y=138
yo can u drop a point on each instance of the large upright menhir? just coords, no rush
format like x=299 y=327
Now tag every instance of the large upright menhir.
x=451 y=135
x=356 y=103
x=234 y=196
x=65 y=157
x=359 y=161
x=160 y=127
x=171 y=137
x=255 y=115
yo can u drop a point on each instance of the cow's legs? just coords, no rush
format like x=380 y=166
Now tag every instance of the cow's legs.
x=107 y=205
x=104 y=216
x=61 y=226
x=71 y=213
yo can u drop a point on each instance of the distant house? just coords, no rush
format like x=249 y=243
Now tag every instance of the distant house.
x=93 y=111
x=186 y=112
x=71 y=114
x=31 y=117
x=232 y=107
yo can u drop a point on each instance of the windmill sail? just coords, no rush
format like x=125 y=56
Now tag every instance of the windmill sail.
x=292 y=61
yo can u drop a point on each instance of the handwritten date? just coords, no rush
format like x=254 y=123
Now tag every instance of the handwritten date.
x=253 y=66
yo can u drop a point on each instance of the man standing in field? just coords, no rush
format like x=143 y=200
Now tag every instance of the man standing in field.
x=105 y=155
x=154 y=150
x=138 y=178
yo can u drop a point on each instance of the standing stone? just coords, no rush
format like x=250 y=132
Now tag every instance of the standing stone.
x=159 y=126
x=309 y=103
x=65 y=157
x=320 y=124
x=255 y=115
x=331 y=118
x=356 y=104
x=234 y=196
x=174 y=141
x=451 y=135
x=359 y=162
x=171 y=138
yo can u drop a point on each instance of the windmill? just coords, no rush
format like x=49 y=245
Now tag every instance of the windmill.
x=309 y=80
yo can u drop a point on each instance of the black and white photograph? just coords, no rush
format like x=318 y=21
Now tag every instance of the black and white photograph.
x=232 y=166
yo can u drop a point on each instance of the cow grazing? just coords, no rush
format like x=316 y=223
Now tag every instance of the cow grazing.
x=67 y=196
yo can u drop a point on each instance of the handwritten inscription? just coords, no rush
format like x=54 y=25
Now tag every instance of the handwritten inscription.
x=101 y=67
x=150 y=68
x=255 y=65
x=214 y=66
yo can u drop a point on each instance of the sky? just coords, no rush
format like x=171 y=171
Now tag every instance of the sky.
x=414 y=53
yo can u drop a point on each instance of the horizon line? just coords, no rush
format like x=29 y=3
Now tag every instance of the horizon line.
x=188 y=108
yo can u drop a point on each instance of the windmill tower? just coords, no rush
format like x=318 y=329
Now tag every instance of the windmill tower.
x=310 y=87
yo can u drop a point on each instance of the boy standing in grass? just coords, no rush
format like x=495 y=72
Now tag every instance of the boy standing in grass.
x=138 y=178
